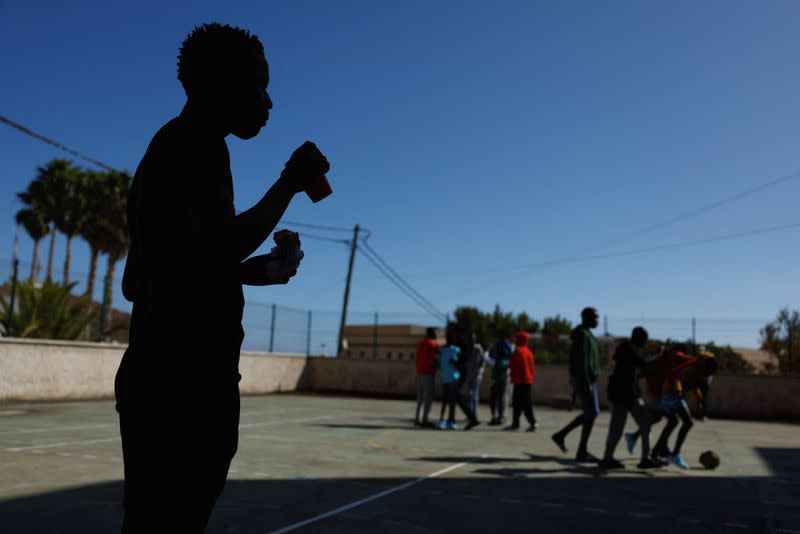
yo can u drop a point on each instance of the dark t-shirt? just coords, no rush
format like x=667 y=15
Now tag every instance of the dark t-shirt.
x=181 y=277
x=623 y=384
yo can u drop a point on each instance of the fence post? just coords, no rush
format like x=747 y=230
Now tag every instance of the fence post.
x=10 y=324
x=272 y=330
x=694 y=331
x=375 y=339
x=605 y=325
x=308 y=335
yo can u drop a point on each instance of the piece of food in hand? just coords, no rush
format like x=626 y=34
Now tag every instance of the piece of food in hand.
x=286 y=256
x=286 y=240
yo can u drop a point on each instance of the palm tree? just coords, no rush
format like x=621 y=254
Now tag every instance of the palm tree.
x=70 y=217
x=47 y=195
x=37 y=229
x=93 y=185
x=114 y=233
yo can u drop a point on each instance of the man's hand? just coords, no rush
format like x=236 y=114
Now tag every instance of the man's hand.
x=306 y=163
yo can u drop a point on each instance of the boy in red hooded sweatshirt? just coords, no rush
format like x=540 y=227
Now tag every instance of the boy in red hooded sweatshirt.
x=522 y=373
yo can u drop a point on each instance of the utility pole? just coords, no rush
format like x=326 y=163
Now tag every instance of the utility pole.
x=353 y=246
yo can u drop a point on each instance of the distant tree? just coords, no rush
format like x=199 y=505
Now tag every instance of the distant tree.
x=47 y=194
x=781 y=338
x=113 y=227
x=556 y=326
x=34 y=224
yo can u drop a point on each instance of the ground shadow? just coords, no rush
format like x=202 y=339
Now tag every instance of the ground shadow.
x=470 y=498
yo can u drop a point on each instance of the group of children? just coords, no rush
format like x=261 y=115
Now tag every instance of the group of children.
x=669 y=377
x=463 y=365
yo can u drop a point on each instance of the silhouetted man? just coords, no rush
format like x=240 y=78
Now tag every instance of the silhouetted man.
x=584 y=370
x=177 y=386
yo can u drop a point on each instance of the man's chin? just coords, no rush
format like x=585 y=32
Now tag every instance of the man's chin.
x=247 y=133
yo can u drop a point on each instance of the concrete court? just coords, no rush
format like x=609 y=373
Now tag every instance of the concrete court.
x=360 y=465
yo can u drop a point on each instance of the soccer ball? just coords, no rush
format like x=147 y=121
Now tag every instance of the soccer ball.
x=709 y=460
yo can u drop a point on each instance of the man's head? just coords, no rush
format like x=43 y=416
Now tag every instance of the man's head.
x=430 y=333
x=590 y=318
x=639 y=336
x=224 y=72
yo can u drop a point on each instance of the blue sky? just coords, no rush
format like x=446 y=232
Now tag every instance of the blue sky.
x=471 y=138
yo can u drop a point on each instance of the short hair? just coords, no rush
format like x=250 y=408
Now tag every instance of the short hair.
x=639 y=332
x=589 y=312
x=430 y=333
x=214 y=46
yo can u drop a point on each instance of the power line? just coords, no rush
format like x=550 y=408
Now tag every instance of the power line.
x=305 y=235
x=56 y=144
x=701 y=210
x=318 y=227
x=432 y=311
x=577 y=259
x=400 y=278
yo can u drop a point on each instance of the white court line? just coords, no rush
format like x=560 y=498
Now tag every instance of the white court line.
x=56 y=445
x=371 y=498
x=38 y=430
x=245 y=426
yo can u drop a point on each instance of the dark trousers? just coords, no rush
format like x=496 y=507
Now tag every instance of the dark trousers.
x=497 y=399
x=453 y=396
x=522 y=402
x=662 y=445
x=619 y=414
x=587 y=395
x=178 y=440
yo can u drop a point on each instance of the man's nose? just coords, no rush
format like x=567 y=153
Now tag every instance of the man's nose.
x=269 y=102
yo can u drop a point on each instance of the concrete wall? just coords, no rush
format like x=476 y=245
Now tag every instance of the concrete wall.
x=62 y=370
x=59 y=370
x=766 y=397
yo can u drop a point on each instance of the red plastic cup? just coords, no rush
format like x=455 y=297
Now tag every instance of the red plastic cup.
x=319 y=189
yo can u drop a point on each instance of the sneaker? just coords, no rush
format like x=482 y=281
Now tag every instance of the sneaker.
x=649 y=463
x=559 y=441
x=472 y=424
x=659 y=453
x=442 y=424
x=630 y=441
x=452 y=425
x=494 y=422
x=533 y=428
x=611 y=463
x=501 y=421
x=427 y=424
x=512 y=427
x=417 y=423
x=586 y=458
x=677 y=459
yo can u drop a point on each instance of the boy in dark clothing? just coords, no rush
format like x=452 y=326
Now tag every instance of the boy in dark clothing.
x=177 y=386
x=584 y=370
x=500 y=356
x=625 y=395
x=522 y=374
x=449 y=374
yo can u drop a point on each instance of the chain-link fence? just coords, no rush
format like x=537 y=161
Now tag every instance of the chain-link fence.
x=384 y=334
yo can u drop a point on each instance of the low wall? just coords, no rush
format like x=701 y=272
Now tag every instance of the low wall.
x=758 y=397
x=60 y=370
x=44 y=370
